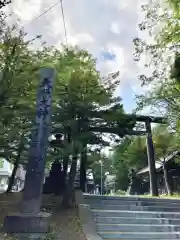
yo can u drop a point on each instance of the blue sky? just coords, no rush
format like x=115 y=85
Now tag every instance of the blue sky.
x=109 y=56
x=105 y=28
x=128 y=101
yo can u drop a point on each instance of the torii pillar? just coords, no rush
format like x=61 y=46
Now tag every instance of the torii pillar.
x=151 y=160
x=150 y=147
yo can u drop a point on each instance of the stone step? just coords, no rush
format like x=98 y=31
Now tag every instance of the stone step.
x=136 y=208
x=135 y=218
x=140 y=235
x=130 y=220
x=101 y=227
x=131 y=198
x=135 y=203
x=135 y=214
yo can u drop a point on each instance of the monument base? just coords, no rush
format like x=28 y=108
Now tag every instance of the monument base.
x=26 y=223
x=30 y=236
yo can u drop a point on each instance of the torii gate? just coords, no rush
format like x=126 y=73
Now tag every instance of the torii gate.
x=150 y=147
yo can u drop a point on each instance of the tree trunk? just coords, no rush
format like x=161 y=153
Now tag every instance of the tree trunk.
x=166 y=179
x=13 y=175
x=83 y=168
x=68 y=194
x=16 y=165
x=65 y=165
x=65 y=168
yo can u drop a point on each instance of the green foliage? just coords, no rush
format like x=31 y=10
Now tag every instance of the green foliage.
x=132 y=153
x=120 y=165
x=1 y=162
x=164 y=140
x=3 y=3
x=80 y=99
x=19 y=67
x=161 y=22
x=120 y=192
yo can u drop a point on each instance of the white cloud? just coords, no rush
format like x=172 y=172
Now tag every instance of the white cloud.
x=115 y=28
x=26 y=10
x=101 y=25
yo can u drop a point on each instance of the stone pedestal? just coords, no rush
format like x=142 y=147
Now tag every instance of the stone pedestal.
x=31 y=236
x=26 y=223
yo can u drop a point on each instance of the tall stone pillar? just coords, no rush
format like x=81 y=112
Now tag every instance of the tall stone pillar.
x=30 y=219
x=151 y=160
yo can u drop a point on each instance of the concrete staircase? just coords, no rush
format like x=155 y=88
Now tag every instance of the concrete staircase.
x=135 y=218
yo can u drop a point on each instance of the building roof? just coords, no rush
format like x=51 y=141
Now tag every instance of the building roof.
x=159 y=164
x=5 y=173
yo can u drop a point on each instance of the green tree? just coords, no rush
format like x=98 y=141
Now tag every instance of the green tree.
x=19 y=67
x=78 y=88
x=78 y=114
x=162 y=24
x=130 y=154
x=165 y=145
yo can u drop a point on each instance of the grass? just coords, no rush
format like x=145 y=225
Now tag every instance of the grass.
x=165 y=196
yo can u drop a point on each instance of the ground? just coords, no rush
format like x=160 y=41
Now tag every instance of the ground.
x=69 y=227
x=65 y=224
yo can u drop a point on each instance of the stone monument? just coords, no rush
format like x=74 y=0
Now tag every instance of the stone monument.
x=30 y=220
